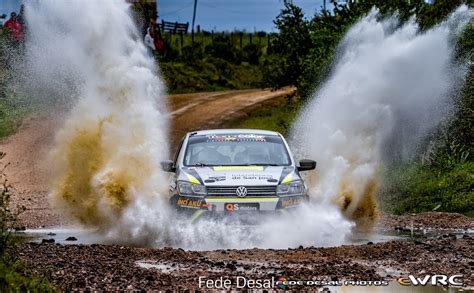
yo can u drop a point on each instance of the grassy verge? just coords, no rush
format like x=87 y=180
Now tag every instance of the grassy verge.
x=211 y=74
x=12 y=112
x=419 y=188
x=18 y=276
x=15 y=275
x=277 y=117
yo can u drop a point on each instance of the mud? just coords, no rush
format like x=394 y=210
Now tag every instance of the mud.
x=426 y=221
x=110 y=267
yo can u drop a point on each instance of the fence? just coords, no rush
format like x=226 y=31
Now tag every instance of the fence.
x=204 y=38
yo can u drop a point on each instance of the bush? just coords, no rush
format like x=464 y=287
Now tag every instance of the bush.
x=15 y=275
x=8 y=215
x=252 y=53
x=222 y=48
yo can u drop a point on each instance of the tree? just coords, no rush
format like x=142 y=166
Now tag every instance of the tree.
x=289 y=48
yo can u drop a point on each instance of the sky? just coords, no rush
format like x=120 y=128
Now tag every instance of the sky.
x=217 y=15
x=8 y=6
x=230 y=15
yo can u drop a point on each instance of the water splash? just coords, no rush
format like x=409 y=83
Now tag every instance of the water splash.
x=105 y=162
x=390 y=86
x=107 y=153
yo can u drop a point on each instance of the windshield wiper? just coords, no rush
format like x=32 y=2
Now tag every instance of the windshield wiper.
x=201 y=164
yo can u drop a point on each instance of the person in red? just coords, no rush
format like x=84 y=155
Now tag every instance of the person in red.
x=158 y=38
x=13 y=26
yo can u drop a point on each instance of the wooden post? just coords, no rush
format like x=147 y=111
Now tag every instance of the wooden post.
x=203 y=43
x=182 y=41
x=194 y=18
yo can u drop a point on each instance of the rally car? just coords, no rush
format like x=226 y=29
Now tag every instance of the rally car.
x=235 y=171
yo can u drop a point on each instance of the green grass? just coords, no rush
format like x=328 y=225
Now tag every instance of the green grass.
x=420 y=188
x=12 y=112
x=277 y=117
x=18 y=276
x=211 y=74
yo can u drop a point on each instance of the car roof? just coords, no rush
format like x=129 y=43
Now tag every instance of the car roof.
x=233 y=131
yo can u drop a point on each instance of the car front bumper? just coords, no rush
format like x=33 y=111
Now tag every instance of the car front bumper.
x=234 y=206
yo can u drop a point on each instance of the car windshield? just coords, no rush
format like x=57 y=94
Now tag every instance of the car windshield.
x=236 y=150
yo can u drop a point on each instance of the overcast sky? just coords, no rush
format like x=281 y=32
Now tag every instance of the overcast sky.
x=229 y=15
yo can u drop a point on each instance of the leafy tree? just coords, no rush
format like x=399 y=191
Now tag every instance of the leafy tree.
x=252 y=53
x=303 y=49
x=289 y=48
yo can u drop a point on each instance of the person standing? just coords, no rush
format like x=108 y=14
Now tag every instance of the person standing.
x=14 y=28
x=158 y=38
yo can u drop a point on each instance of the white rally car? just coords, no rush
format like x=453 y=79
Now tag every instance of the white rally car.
x=235 y=171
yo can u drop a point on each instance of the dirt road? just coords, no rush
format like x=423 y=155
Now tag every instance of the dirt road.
x=103 y=267
x=27 y=148
x=112 y=267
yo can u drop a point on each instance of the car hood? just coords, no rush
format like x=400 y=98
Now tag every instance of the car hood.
x=239 y=175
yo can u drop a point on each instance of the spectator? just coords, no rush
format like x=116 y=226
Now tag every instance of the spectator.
x=14 y=28
x=158 y=38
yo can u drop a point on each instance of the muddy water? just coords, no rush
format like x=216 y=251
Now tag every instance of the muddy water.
x=90 y=236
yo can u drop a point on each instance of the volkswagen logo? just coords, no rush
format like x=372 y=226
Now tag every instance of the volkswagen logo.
x=241 y=191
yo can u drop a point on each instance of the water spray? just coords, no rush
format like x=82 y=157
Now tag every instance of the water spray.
x=105 y=162
x=390 y=86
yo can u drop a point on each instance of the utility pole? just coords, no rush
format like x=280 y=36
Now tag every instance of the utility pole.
x=324 y=5
x=194 y=18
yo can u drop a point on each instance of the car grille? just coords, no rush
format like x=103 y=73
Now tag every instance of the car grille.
x=230 y=191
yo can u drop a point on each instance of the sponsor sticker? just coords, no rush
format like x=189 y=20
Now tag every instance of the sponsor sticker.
x=218 y=178
x=291 y=202
x=189 y=202
x=233 y=207
x=238 y=137
x=251 y=177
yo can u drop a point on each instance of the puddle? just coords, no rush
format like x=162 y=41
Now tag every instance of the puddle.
x=162 y=267
x=60 y=234
x=407 y=234
x=90 y=236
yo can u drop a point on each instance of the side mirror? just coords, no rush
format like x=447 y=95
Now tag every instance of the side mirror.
x=306 y=165
x=168 y=166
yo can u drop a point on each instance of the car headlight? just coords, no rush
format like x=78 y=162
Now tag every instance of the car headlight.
x=292 y=188
x=188 y=188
